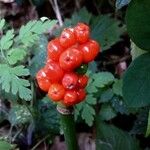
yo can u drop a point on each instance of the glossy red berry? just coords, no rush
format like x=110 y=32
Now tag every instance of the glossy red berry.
x=42 y=80
x=70 y=98
x=82 y=32
x=81 y=95
x=54 y=71
x=90 y=50
x=54 y=49
x=70 y=59
x=56 y=92
x=70 y=80
x=82 y=81
x=67 y=37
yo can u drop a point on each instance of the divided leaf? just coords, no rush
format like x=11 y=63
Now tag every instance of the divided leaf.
x=30 y=32
x=15 y=55
x=106 y=31
x=107 y=112
x=11 y=81
x=2 y=23
x=102 y=79
x=19 y=114
x=7 y=40
x=86 y=109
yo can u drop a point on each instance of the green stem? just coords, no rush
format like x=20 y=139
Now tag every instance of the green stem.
x=68 y=125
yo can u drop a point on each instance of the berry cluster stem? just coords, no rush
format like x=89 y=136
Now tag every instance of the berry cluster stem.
x=68 y=125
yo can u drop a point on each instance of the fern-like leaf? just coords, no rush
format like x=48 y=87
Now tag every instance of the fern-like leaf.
x=30 y=32
x=7 y=40
x=11 y=81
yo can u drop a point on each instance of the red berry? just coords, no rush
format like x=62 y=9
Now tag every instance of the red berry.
x=42 y=80
x=81 y=95
x=70 y=59
x=67 y=37
x=82 y=81
x=70 y=80
x=90 y=50
x=56 y=92
x=54 y=71
x=82 y=32
x=54 y=49
x=70 y=98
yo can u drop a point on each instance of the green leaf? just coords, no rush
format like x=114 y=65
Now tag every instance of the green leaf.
x=86 y=110
x=19 y=114
x=38 y=61
x=7 y=40
x=30 y=32
x=119 y=106
x=2 y=23
x=106 y=31
x=47 y=119
x=11 y=81
x=90 y=99
x=138 y=24
x=111 y=138
x=5 y=145
x=140 y=124
x=148 y=126
x=102 y=79
x=117 y=87
x=15 y=55
x=107 y=112
x=136 y=82
x=136 y=51
x=81 y=16
x=88 y=114
x=106 y=95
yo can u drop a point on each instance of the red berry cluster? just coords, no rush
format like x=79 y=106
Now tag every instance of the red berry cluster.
x=65 y=54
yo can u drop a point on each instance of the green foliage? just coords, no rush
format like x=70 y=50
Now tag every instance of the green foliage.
x=104 y=29
x=117 y=87
x=38 y=61
x=47 y=119
x=140 y=124
x=12 y=81
x=5 y=145
x=106 y=96
x=110 y=137
x=29 y=33
x=107 y=112
x=13 y=75
x=148 y=126
x=136 y=82
x=7 y=40
x=2 y=23
x=15 y=55
x=138 y=23
x=19 y=114
x=102 y=79
x=136 y=51
x=86 y=110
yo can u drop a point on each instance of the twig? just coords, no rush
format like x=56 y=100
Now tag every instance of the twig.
x=117 y=61
x=34 y=148
x=56 y=9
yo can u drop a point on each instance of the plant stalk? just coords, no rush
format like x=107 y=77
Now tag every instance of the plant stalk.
x=68 y=126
